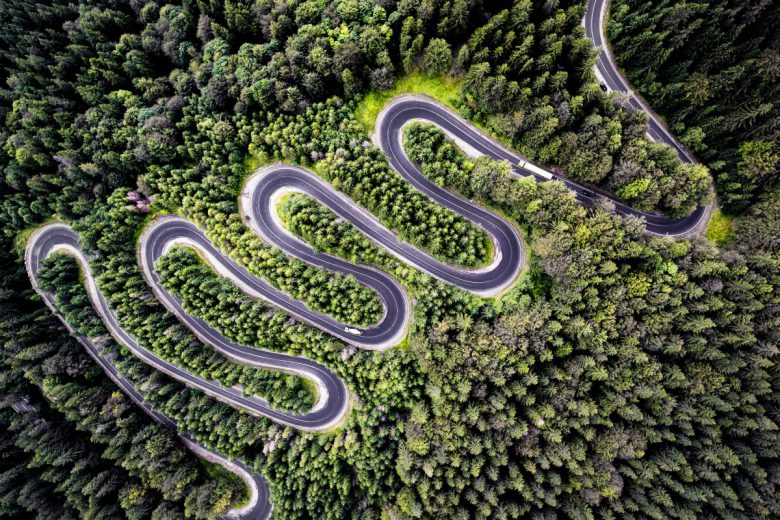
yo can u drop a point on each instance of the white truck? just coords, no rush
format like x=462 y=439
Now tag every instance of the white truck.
x=530 y=167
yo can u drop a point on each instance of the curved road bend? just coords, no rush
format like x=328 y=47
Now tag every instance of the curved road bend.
x=405 y=109
x=258 y=202
x=608 y=71
x=58 y=237
x=612 y=77
x=167 y=232
x=333 y=399
x=260 y=193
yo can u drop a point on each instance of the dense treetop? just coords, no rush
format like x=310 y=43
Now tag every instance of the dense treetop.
x=623 y=376
x=712 y=68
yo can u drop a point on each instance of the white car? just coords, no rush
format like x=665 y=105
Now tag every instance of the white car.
x=356 y=332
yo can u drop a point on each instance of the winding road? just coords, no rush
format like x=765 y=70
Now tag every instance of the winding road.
x=258 y=205
x=610 y=75
x=405 y=109
x=61 y=238
x=259 y=199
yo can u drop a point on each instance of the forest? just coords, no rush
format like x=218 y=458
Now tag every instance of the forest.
x=74 y=446
x=712 y=69
x=622 y=376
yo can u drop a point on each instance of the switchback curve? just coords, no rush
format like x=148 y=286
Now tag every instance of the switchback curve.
x=258 y=199
x=405 y=109
x=59 y=237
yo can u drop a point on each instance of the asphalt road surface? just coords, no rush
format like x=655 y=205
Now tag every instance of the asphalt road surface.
x=59 y=237
x=408 y=108
x=258 y=206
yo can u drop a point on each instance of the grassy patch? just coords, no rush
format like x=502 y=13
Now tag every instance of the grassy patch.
x=719 y=230
x=21 y=239
x=444 y=89
x=253 y=162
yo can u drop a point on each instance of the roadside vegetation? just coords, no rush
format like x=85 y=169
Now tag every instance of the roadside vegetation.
x=712 y=69
x=444 y=89
x=623 y=377
x=323 y=230
x=78 y=445
x=576 y=324
x=319 y=227
x=444 y=163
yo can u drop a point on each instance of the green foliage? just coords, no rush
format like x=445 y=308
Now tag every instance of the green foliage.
x=572 y=369
x=362 y=449
x=756 y=232
x=440 y=160
x=524 y=81
x=444 y=89
x=584 y=385
x=437 y=157
x=305 y=218
x=368 y=179
x=144 y=317
x=90 y=450
x=720 y=230
x=711 y=68
x=634 y=190
x=624 y=377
